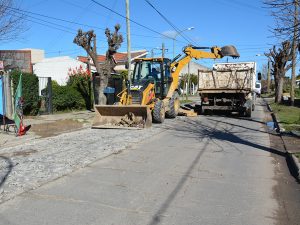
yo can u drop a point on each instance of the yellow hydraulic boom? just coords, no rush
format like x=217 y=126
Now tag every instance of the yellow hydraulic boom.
x=155 y=93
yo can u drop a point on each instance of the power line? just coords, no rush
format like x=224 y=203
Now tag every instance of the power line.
x=169 y=22
x=27 y=13
x=137 y=23
x=47 y=25
x=55 y=18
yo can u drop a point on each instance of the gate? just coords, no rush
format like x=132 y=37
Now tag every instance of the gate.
x=45 y=93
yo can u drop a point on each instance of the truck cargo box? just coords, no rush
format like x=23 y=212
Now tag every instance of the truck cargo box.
x=234 y=77
x=228 y=86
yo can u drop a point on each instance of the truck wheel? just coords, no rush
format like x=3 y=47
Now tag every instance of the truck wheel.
x=174 y=105
x=158 y=113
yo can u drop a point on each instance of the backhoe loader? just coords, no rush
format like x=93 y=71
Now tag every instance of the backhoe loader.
x=152 y=93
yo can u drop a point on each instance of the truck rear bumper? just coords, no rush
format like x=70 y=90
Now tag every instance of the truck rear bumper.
x=228 y=108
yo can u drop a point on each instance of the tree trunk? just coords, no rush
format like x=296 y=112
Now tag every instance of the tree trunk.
x=101 y=96
x=294 y=53
x=279 y=89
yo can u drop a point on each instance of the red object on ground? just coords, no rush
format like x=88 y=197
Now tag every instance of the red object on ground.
x=22 y=130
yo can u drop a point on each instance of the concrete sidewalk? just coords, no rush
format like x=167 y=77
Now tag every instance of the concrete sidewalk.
x=47 y=126
x=291 y=141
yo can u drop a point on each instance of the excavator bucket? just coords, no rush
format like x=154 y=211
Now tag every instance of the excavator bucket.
x=122 y=116
x=229 y=50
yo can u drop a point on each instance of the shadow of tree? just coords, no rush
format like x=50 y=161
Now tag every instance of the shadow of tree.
x=6 y=170
x=196 y=129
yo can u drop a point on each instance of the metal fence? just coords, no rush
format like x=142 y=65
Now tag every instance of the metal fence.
x=45 y=93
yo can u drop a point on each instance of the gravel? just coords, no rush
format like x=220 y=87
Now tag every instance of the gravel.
x=26 y=167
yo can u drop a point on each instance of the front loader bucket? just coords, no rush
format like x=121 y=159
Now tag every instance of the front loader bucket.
x=229 y=50
x=122 y=116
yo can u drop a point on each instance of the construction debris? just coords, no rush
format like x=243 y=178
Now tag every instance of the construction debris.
x=130 y=120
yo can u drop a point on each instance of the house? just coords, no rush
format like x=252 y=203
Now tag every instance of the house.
x=194 y=67
x=17 y=59
x=57 y=68
x=120 y=58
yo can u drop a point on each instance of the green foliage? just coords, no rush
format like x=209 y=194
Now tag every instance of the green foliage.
x=80 y=79
x=66 y=98
x=297 y=93
x=30 y=89
x=124 y=74
x=289 y=116
x=193 y=79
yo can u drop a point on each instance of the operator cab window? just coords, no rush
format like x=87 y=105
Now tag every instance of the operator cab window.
x=147 y=71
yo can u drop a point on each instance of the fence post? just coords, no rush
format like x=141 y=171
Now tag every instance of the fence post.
x=49 y=85
x=8 y=95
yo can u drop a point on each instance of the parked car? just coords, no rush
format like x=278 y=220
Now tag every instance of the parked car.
x=257 y=89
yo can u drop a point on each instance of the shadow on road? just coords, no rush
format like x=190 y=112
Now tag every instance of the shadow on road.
x=6 y=170
x=156 y=219
x=201 y=130
x=196 y=129
x=240 y=126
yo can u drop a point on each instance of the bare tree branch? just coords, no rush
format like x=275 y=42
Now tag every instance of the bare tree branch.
x=87 y=40
x=11 y=22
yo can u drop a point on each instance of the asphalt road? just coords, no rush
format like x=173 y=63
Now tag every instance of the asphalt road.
x=202 y=170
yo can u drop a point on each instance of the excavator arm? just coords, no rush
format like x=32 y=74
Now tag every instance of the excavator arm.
x=192 y=52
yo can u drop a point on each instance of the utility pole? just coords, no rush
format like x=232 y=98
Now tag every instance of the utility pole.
x=269 y=76
x=294 y=53
x=188 y=82
x=128 y=41
x=162 y=72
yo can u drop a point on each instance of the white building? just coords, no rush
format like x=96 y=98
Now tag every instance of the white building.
x=194 y=67
x=57 y=68
x=37 y=55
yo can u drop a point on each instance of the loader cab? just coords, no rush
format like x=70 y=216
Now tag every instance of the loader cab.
x=152 y=70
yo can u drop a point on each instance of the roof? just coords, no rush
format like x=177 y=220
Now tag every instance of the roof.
x=57 y=59
x=119 y=56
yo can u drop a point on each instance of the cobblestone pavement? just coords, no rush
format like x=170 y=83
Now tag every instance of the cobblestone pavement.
x=34 y=161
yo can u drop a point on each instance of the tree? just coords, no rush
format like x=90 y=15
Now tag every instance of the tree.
x=87 y=40
x=11 y=21
x=280 y=59
x=285 y=13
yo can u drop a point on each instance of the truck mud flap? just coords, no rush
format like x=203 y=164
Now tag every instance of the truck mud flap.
x=118 y=117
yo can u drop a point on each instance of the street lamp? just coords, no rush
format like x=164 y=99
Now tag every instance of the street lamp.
x=178 y=33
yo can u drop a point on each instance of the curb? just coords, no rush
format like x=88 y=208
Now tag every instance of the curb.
x=279 y=129
x=292 y=158
x=296 y=164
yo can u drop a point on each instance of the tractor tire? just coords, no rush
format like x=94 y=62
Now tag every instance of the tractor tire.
x=158 y=113
x=174 y=105
x=248 y=112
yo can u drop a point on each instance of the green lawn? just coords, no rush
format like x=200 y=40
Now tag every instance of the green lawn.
x=289 y=116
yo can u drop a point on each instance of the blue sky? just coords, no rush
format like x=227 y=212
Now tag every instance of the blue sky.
x=245 y=24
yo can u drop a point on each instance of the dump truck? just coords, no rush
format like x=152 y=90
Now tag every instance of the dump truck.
x=153 y=92
x=229 y=87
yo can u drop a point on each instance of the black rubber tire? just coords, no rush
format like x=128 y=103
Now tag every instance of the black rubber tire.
x=248 y=112
x=158 y=113
x=174 y=105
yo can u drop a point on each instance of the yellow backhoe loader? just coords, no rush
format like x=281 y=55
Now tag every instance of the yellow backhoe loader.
x=152 y=93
